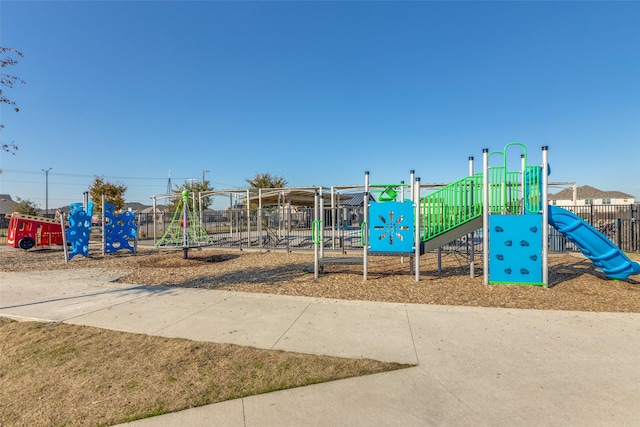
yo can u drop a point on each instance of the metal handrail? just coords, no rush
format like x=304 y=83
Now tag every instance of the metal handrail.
x=450 y=206
x=316 y=236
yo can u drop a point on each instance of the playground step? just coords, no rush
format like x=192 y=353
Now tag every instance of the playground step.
x=341 y=260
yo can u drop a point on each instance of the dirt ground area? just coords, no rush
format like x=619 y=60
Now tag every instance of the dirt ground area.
x=575 y=283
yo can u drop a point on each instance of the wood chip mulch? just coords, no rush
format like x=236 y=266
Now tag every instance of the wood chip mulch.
x=575 y=284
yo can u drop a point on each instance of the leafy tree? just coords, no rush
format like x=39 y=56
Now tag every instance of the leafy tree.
x=7 y=58
x=26 y=207
x=114 y=194
x=194 y=187
x=266 y=180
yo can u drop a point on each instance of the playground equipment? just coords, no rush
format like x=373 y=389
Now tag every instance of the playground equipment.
x=511 y=208
x=389 y=226
x=29 y=231
x=117 y=230
x=517 y=217
x=78 y=234
x=504 y=207
x=185 y=230
x=594 y=245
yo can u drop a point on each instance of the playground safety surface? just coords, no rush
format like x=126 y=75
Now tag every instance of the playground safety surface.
x=575 y=284
x=475 y=366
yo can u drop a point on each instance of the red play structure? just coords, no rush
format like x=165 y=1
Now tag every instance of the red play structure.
x=27 y=231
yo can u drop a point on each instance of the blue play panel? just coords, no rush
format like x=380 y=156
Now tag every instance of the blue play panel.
x=515 y=247
x=391 y=227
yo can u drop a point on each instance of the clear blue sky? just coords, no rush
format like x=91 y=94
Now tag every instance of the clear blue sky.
x=317 y=92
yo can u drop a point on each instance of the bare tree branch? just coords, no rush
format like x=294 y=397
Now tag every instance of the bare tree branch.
x=9 y=81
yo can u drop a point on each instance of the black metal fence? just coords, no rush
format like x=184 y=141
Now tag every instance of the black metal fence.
x=618 y=222
x=290 y=228
x=285 y=228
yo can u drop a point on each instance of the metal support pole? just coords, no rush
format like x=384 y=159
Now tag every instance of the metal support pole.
x=65 y=248
x=485 y=214
x=153 y=204
x=365 y=229
x=185 y=225
x=259 y=218
x=415 y=197
x=85 y=201
x=471 y=237
x=289 y=226
x=137 y=236
x=104 y=237
x=523 y=165
x=280 y=212
x=46 y=191
x=321 y=223
x=201 y=213
x=333 y=218
x=401 y=194
x=545 y=216
x=314 y=232
x=412 y=177
x=232 y=212
x=248 y=221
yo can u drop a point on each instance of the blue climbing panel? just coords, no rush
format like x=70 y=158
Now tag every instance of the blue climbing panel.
x=391 y=227
x=515 y=248
x=79 y=229
x=119 y=230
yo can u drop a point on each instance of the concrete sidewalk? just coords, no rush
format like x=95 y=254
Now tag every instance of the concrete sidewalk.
x=475 y=366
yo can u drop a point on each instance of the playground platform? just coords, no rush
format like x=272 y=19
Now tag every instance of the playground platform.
x=474 y=366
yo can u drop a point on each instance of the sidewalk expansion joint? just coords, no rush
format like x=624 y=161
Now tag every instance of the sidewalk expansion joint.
x=193 y=314
x=105 y=308
x=244 y=414
x=290 y=326
x=413 y=339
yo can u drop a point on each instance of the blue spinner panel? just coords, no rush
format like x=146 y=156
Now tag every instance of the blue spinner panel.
x=515 y=247
x=391 y=227
x=118 y=229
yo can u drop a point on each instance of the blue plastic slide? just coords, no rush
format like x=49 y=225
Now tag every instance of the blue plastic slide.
x=604 y=254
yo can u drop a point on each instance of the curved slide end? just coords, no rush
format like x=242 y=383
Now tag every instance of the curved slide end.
x=604 y=254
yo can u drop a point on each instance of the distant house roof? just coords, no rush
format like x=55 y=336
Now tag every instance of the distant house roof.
x=356 y=199
x=588 y=192
x=149 y=209
x=134 y=206
x=7 y=205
